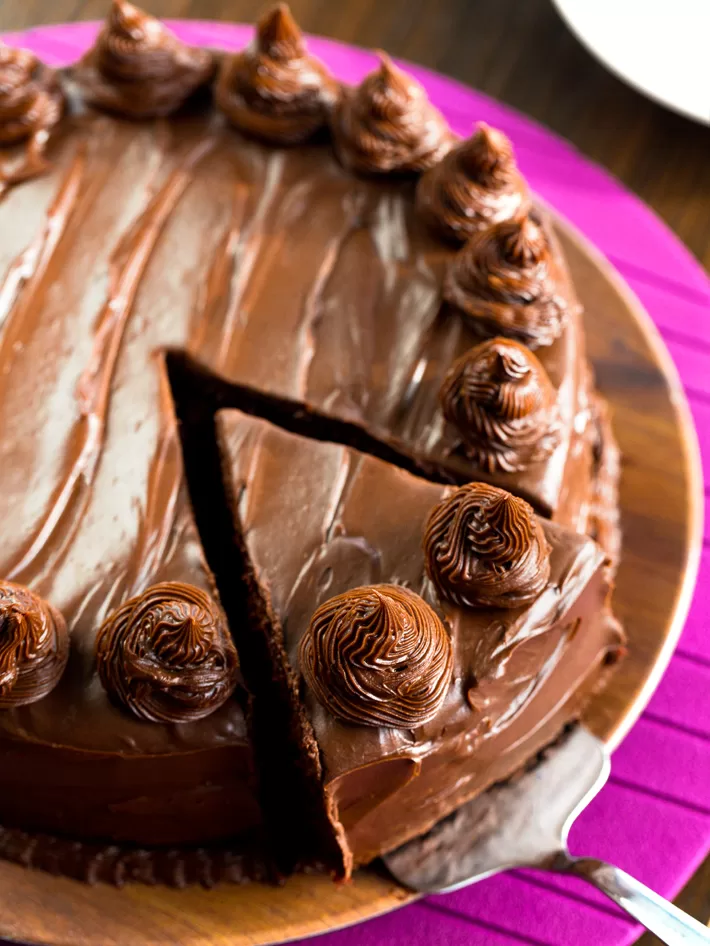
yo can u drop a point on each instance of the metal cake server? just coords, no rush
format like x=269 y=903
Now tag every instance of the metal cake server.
x=525 y=823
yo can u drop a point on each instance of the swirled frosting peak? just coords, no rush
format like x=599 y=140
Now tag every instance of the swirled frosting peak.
x=31 y=104
x=167 y=654
x=501 y=402
x=34 y=646
x=274 y=89
x=139 y=68
x=503 y=282
x=388 y=123
x=378 y=656
x=475 y=185
x=485 y=548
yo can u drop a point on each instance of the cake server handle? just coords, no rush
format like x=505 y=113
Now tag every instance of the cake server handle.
x=671 y=925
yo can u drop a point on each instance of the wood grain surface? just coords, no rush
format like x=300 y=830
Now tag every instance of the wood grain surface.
x=520 y=52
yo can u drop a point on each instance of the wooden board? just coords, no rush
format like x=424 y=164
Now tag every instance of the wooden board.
x=661 y=501
x=661 y=483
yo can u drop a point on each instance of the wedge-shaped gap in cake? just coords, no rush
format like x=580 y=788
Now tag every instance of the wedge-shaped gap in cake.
x=287 y=755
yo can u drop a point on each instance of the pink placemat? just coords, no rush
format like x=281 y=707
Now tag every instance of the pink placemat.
x=653 y=818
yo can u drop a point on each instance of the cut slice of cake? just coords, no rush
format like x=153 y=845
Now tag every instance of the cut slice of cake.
x=433 y=639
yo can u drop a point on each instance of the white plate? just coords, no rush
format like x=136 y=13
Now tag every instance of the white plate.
x=661 y=47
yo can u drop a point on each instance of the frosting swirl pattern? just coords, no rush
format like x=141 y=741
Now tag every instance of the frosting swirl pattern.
x=34 y=646
x=475 y=185
x=31 y=101
x=378 y=656
x=139 y=68
x=502 y=281
x=500 y=400
x=387 y=123
x=484 y=548
x=274 y=89
x=167 y=654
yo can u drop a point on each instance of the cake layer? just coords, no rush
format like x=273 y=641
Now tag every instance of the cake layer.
x=318 y=519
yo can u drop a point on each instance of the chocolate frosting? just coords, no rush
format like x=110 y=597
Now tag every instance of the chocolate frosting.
x=31 y=103
x=30 y=98
x=501 y=401
x=139 y=68
x=475 y=185
x=274 y=89
x=387 y=123
x=34 y=646
x=502 y=281
x=378 y=656
x=167 y=654
x=484 y=548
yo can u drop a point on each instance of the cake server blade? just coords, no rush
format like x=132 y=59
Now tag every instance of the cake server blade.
x=525 y=823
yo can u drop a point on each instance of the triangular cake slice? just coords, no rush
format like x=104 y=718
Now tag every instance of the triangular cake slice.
x=410 y=692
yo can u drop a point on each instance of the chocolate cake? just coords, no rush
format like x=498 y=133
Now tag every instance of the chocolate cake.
x=386 y=308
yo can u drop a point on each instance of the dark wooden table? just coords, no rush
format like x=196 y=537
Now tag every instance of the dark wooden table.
x=520 y=52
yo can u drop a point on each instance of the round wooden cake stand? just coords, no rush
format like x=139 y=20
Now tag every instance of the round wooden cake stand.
x=661 y=503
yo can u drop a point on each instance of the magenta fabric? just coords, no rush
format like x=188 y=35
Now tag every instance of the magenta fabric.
x=653 y=818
